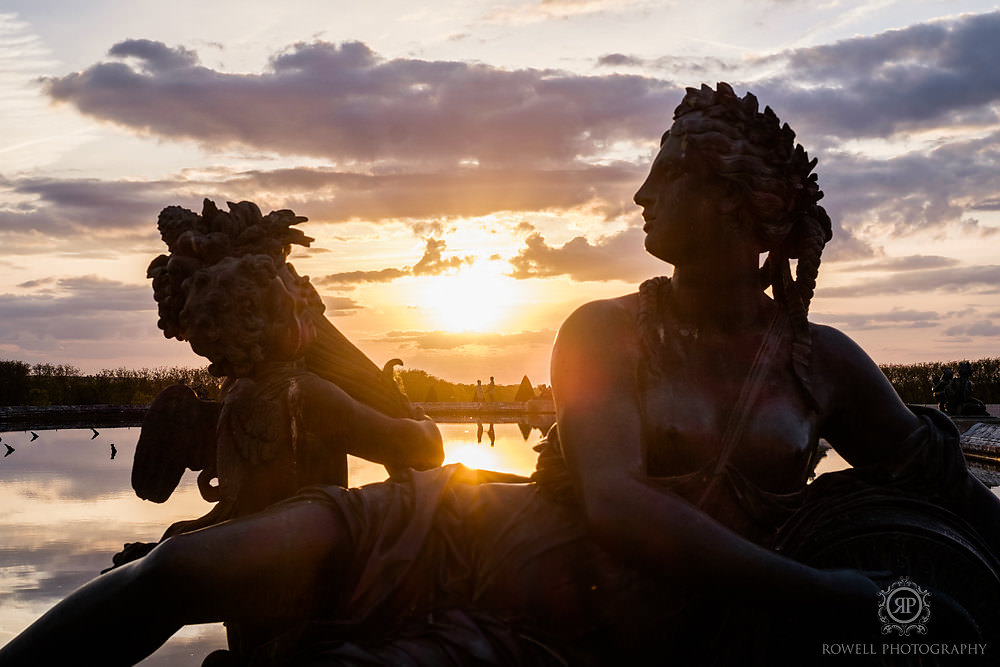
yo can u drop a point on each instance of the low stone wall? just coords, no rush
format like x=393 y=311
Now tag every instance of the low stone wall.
x=33 y=417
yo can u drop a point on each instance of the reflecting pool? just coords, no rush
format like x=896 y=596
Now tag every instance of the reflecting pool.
x=68 y=506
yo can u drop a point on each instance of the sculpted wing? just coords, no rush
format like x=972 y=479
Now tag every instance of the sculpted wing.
x=178 y=432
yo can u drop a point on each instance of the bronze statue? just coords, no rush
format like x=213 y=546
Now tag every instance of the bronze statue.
x=961 y=401
x=669 y=507
x=283 y=420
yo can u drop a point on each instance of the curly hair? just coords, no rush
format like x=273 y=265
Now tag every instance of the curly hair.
x=728 y=137
x=233 y=314
x=217 y=289
x=198 y=242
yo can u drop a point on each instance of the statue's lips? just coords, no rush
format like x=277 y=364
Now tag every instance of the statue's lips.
x=649 y=223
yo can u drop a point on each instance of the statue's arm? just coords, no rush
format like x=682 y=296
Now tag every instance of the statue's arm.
x=594 y=383
x=870 y=426
x=328 y=412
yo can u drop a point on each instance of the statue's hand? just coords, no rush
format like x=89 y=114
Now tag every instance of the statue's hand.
x=433 y=445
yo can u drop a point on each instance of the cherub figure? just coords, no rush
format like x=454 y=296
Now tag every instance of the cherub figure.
x=297 y=396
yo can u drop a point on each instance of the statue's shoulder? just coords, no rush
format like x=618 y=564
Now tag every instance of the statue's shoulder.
x=601 y=314
x=603 y=326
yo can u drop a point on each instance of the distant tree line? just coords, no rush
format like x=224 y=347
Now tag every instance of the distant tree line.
x=62 y=384
x=913 y=381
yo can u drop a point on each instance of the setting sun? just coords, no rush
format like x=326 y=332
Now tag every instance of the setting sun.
x=474 y=298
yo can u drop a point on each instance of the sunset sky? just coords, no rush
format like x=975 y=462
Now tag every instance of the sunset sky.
x=468 y=167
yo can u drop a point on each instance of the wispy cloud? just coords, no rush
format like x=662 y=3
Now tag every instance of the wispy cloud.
x=977 y=279
x=544 y=10
x=895 y=319
x=448 y=340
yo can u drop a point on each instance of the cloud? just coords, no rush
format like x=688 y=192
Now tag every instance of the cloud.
x=915 y=190
x=346 y=103
x=908 y=263
x=917 y=77
x=448 y=340
x=619 y=60
x=340 y=305
x=545 y=10
x=354 y=277
x=84 y=207
x=614 y=257
x=155 y=56
x=979 y=328
x=894 y=319
x=432 y=263
x=85 y=308
x=981 y=279
x=463 y=192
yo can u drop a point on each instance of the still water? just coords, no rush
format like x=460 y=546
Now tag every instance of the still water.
x=66 y=506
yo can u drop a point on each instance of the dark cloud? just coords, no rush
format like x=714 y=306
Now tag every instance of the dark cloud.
x=916 y=190
x=618 y=60
x=987 y=205
x=155 y=56
x=432 y=263
x=336 y=196
x=448 y=340
x=979 y=279
x=615 y=257
x=874 y=86
x=87 y=308
x=347 y=103
x=83 y=207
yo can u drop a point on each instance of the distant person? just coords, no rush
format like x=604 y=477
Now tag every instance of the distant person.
x=491 y=391
x=480 y=395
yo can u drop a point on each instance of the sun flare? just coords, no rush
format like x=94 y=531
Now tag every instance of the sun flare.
x=474 y=298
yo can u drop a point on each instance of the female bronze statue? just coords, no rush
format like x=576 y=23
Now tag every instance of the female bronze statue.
x=689 y=416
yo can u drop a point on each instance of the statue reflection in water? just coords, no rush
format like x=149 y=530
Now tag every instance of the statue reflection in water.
x=669 y=513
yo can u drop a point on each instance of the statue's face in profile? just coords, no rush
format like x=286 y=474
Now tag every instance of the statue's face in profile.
x=679 y=205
